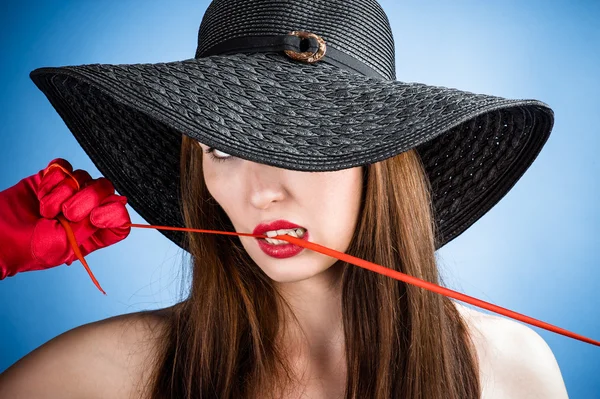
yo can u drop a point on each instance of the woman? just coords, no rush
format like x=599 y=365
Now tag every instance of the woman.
x=363 y=164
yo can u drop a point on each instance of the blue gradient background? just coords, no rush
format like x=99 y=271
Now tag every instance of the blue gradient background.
x=534 y=252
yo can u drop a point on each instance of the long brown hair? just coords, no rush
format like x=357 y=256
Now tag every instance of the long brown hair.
x=402 y=341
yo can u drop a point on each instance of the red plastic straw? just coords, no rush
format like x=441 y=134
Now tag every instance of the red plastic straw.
x=341 y=256
x=75 y=247
x=358 y=262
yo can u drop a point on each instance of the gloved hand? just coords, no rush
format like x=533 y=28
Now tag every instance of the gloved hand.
x=31 y=238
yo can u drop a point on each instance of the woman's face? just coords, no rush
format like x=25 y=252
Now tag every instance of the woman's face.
x=326 y=204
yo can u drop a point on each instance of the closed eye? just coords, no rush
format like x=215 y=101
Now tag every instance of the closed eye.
x=211 y=152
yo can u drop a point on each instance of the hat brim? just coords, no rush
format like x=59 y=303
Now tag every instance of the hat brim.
x=263 y=107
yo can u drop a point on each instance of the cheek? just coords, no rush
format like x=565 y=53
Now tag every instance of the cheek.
x=220 y=186
x=336 y=210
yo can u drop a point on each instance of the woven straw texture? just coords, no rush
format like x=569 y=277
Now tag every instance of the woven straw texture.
x=358 y=28
x=266 y=108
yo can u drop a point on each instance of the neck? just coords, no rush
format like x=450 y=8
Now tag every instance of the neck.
x=317 y=337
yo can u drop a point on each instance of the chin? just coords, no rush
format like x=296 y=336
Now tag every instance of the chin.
x=285 y=278
x=285 y=270
x=300 y=267
x=288 y=270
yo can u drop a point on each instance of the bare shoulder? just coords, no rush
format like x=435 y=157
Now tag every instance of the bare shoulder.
x=515 y=361
x=106 y=358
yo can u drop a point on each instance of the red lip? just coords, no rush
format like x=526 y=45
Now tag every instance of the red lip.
x=278 y=251
x=276 y=225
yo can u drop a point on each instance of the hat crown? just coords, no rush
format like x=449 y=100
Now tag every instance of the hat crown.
x=360 y=28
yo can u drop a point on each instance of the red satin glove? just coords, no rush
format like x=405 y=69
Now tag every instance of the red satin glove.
x=31 y=236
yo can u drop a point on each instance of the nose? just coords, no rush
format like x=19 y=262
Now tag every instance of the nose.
x=265 y=184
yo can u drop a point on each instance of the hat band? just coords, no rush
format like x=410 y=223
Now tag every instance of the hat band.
x=290 y=42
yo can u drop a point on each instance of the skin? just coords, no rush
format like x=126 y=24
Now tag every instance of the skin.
x=327 y=204
x=114 y=357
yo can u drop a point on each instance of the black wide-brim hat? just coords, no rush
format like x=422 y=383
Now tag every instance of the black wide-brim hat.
x=263 y=89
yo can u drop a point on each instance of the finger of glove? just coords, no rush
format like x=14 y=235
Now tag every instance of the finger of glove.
x=112 y=213
x=49 y=179
x=62 y=162
x=107 y=225
x=82 y=177
x=50 y=245
x=58 y=162
x=52 y=175
x=83 y=202
x=51 y=203
x=93 y=232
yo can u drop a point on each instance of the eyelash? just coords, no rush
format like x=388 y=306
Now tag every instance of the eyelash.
x=210 y=150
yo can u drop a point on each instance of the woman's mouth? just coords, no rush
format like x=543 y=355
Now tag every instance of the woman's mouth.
x=297 y=232
x=280 y=248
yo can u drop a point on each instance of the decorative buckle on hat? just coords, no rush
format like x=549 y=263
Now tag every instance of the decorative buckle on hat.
x=307 y=56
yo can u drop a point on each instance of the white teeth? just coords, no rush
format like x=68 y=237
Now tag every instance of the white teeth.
x=276 y=242
x=299 y=232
